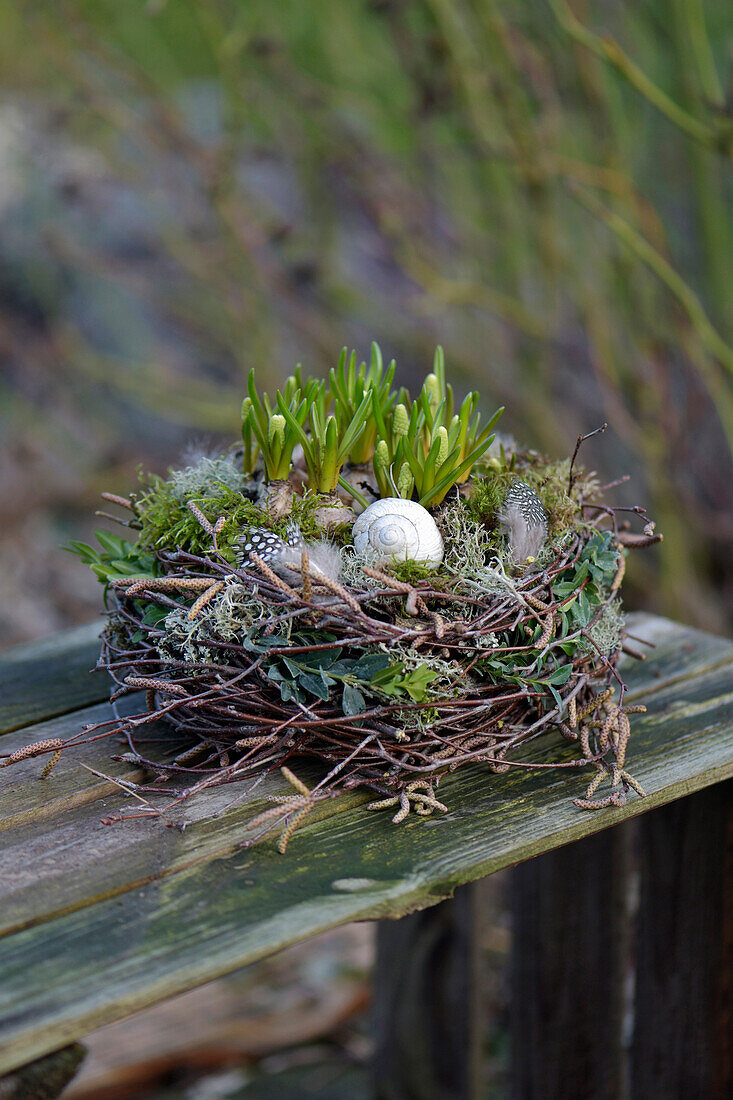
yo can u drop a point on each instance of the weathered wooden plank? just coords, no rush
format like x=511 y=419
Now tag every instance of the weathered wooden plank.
x=683 y=1033
x=679 y=652
x=62 y=976
x=27 y=799
x=50 y=867
x=43 y=679
x=44 y=1079
x=426 y=1022
x=569 y=954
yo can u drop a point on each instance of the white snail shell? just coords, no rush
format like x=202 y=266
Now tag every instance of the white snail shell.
x=398 y=529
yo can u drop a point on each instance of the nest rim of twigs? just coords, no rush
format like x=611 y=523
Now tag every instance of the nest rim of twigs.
x=482 y=724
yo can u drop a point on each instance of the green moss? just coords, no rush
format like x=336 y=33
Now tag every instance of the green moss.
x=303 y=513
x=487 y=495
x=548 y=479
x=409 y=571
x=168 y=524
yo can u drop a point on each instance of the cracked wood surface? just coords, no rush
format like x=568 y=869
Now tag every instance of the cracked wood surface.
x=98 y=921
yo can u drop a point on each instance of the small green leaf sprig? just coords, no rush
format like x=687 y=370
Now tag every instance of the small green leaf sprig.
x=117 y=559
x=332 y=436
x=320 y=674
x=350 y=386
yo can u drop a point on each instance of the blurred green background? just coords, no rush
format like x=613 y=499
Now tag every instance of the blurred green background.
x=191 y=188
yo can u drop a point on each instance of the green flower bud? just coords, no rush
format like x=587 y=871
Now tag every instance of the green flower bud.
x=381 y=456
x=405 y=482
x=276 y=429
x=400 y=421
x=442 y=435
x=432 y=389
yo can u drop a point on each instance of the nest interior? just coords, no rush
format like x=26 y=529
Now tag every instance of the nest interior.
x=389 y=673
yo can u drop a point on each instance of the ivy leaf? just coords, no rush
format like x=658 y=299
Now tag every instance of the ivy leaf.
x=580 y=574
x=556 y=696
x=352 y=701
x=314 y=685
x=253 y=642
x=417 y=681
x=386 y=681
x=87 y=553
x=582 y=610
x=153 y=614
x=560 y=676
x=328 y=681
x=292 y=666
x=112 y=544
x=124 y=567
x=323 y=658
x=369 y=664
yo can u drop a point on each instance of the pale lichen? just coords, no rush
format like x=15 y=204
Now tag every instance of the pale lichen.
x=209 y=476
x=607 y=630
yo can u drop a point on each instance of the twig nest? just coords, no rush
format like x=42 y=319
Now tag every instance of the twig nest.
x=394 y=529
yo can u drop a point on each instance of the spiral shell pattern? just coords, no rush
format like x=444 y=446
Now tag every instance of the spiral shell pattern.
x=397 y=529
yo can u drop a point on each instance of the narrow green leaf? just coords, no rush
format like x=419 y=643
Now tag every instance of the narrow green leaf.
x=352 y=701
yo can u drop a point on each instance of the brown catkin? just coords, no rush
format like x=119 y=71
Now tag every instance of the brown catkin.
x=205 y=598
x=36 y=749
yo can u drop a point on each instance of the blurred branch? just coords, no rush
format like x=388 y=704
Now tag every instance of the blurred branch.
x=608 y=49
x=710 y=338
x=201 y=403
x=617 y=183
x=467 y=292
x=700 y=44
x=685 y=295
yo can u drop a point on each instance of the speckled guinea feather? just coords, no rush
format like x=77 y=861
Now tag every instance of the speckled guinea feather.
x=525 y=521
x=285 y=555
x=266 y=544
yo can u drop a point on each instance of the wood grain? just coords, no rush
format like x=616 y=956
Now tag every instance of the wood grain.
x=426 y=1026
x=683 y=1035
x=100 y=921
x=43 y=679
x=569 y=955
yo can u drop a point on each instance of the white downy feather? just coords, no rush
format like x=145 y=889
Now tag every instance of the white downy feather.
x=323 y=557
